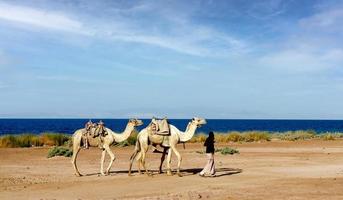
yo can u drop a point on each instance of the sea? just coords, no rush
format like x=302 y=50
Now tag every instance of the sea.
x=69 y=126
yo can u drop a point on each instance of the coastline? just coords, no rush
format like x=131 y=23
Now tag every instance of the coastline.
x=60 y=139
x=68 y=126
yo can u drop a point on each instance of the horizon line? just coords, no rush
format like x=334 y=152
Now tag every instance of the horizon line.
x=24 y=118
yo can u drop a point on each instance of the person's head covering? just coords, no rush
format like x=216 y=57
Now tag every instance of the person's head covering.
x=211 y=136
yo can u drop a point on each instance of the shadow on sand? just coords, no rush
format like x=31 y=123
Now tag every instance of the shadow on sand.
x=185 y=172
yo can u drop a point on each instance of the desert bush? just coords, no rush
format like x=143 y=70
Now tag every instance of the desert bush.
x=256 y=136
x=220 y=137
x=296 y=135
x=227 y=150
x=24 y=140
x=330 y=136
x=224 y=151
x=59 y=151
x=201 y=137
x=54 y=139
x=234 y=136
x=7 y=141
x=246 y=136
x=29 y=140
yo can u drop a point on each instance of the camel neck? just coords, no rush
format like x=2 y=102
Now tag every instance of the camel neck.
x=124 y=135
x=188 y=134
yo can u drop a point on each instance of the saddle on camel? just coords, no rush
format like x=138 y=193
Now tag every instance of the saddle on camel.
x=94 y=130
x=160 y=127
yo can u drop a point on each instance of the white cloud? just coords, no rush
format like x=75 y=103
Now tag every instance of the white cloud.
x=40 y=18
x=183 y=37
x=315 y=45
x=328 y=20
x=264 y=10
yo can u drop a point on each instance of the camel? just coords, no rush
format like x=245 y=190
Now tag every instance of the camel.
x=176 y=136
x=109 y=139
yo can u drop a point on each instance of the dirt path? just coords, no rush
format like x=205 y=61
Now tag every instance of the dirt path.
x=272 y=170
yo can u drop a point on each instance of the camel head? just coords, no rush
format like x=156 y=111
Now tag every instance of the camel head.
x=136 y=122
x=198 y=121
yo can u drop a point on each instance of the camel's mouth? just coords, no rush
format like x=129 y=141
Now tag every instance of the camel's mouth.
x=139 y=123
x=199 y=122
x=202 y=122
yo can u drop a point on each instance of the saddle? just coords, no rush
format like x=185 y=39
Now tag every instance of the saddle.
x=100 y=130
x=94 y=130
x=159 y=126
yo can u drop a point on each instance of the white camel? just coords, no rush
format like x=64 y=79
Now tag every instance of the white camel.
x=109 y=139
x=176 y=136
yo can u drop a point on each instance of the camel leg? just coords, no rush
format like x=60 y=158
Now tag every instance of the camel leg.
x=143 y=155
x=132 y=158
x=73 y=161
x=76 y=149
x=162 y=159
x=169 y=173
x=139 y=158
x=103 y=154
x=108 y=150
x=179 y=159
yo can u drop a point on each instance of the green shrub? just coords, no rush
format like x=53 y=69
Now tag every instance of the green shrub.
x=227 y=150
x=224 y=151
x=59 y=151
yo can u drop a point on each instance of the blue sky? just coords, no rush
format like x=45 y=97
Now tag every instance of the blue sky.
x=214 y=59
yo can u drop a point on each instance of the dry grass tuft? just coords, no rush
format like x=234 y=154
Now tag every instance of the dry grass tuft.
x=234 y=136
x=198 y=138
x=295 y=135
x=58 y=139
x=31 y=140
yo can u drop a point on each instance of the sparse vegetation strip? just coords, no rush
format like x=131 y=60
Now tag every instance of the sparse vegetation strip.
x=59 y=139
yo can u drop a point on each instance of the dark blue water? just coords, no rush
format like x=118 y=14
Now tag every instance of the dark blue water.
x=36 y=126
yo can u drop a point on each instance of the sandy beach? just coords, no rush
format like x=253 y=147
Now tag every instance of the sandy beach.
x=268 y=170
